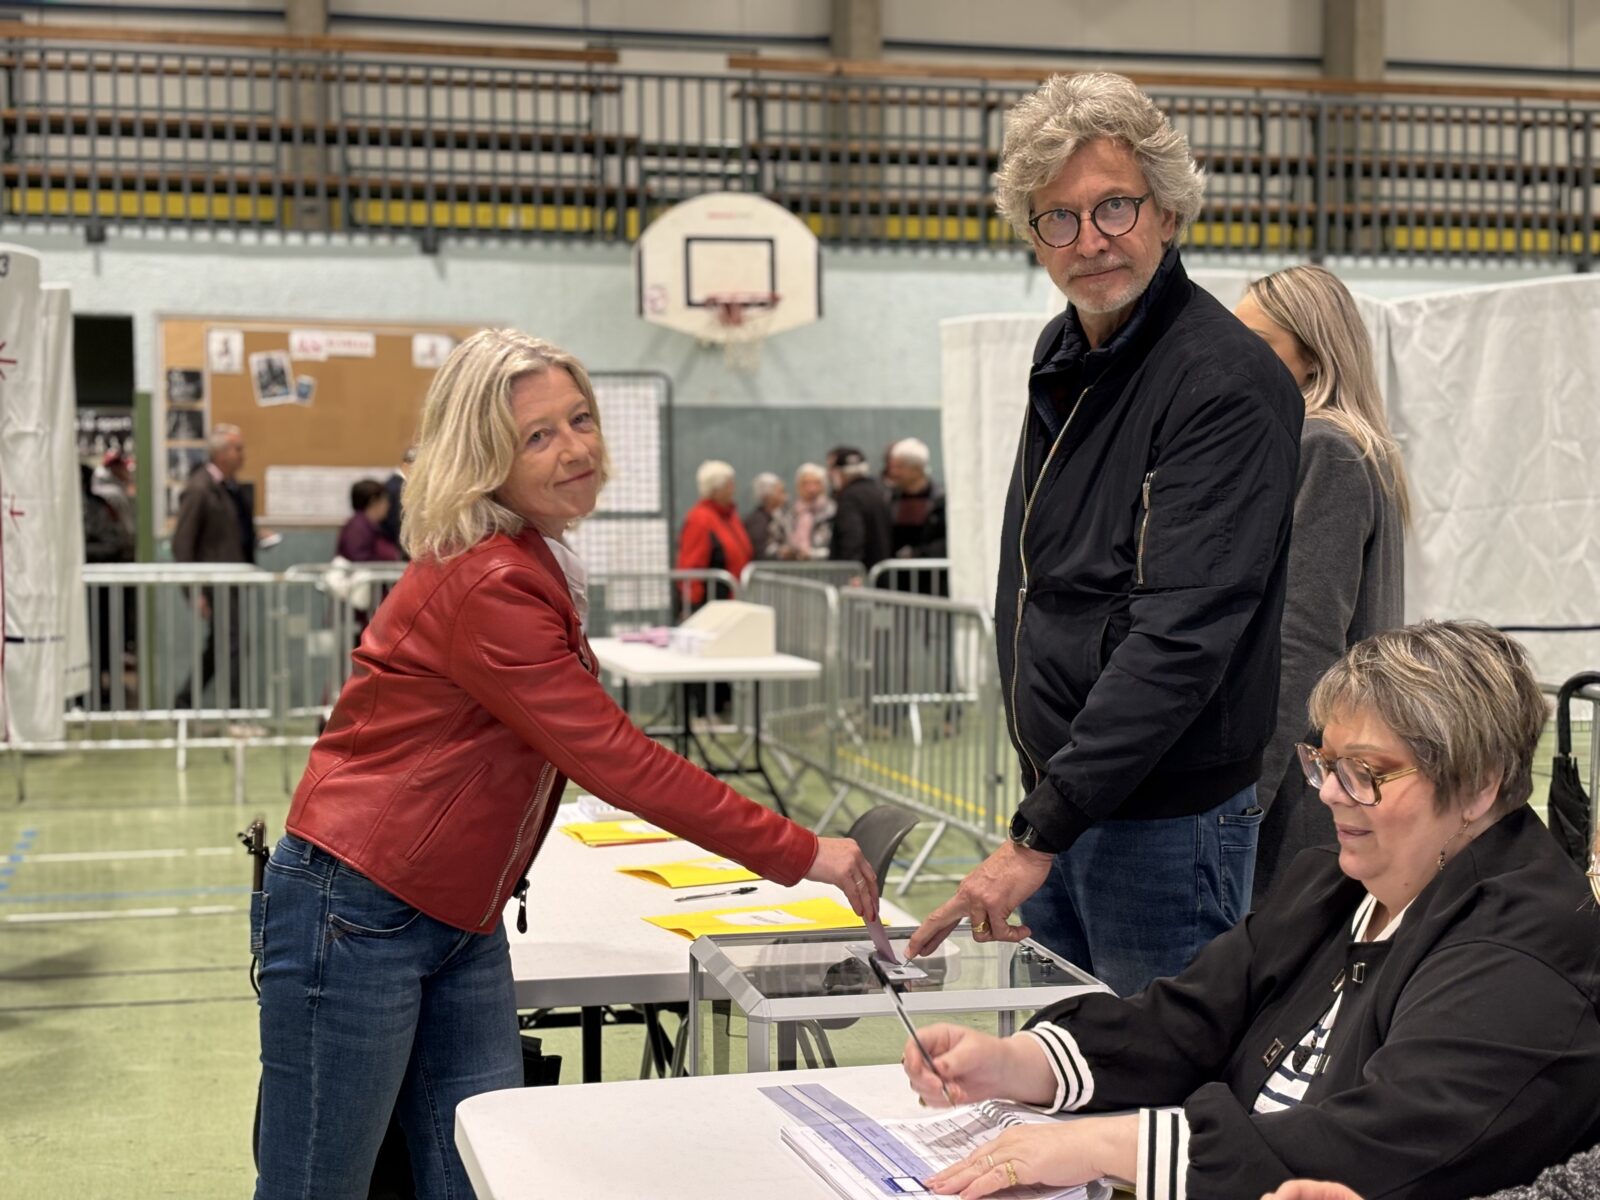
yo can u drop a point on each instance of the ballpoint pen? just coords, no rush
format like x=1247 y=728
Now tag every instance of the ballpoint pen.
x=739 y=891
x=905 y=1019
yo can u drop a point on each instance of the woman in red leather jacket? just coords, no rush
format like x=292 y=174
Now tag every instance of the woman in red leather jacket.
x=385 y=976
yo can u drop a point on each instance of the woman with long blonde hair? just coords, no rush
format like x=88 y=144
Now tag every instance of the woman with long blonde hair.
x=1347 y=551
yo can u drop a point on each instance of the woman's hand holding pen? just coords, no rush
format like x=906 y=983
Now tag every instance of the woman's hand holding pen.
x=978 y=1066
x=839 y=861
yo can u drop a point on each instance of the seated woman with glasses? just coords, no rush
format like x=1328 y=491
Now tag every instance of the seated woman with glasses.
x=1413 y=1015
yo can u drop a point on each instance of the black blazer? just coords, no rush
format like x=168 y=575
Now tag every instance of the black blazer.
x=1465 y=1056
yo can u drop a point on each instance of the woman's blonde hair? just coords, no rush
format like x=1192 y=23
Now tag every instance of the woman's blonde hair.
x=1460 y=694
x=1046 y=128
x=469 y=441
x=1317 y=310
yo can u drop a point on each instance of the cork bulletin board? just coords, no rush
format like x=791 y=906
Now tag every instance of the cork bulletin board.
x=321 y=404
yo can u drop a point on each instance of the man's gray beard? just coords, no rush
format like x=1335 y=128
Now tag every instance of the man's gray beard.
x=1135 y=289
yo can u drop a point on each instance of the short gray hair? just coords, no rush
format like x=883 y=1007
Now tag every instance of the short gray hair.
x=713 y=475
x=1047 y=128
x=221 y=436
x=763 y=485
x=811 y=471
x=910 y=450
x=1460 y=694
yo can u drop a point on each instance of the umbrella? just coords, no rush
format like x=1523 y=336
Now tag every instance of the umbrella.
x=1570 y=813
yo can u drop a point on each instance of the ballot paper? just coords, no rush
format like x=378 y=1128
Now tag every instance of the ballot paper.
x=797 y=915
x=616 y=833
x=862 y=1158
x=692 y=872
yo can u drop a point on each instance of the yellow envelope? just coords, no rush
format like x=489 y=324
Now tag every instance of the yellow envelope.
x=692 y=872
x=616 y=833
x=797 y=916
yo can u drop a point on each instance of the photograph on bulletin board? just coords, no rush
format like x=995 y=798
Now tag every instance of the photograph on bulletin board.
x=185 y=386
x=186 y=424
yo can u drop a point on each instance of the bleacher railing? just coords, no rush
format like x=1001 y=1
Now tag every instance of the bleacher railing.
x=119 y=128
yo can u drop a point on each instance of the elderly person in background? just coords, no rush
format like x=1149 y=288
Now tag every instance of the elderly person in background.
x=811 y=521
x=916 y=502
x=385 y=975
x=861 y=522
x=713 y=537
x=767 y=523
x=1412 y=1014
x=1347 y=551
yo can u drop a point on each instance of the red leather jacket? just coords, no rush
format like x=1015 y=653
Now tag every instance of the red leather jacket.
x=473 y=700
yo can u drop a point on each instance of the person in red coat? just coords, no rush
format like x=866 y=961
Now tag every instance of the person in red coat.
x=714 y=537
x=385 y=974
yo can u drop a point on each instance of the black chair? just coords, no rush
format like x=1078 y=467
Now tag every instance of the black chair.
x=879 y=832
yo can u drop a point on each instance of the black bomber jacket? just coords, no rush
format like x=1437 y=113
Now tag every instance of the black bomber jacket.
x=1143 y=559
x=1465 y=1057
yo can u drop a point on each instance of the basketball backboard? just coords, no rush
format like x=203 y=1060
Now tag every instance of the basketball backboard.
x=722 y=251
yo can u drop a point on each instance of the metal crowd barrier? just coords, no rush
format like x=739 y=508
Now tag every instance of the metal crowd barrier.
x=800 y=717
x=919 y=710
x=923 y=576
x=839 y=574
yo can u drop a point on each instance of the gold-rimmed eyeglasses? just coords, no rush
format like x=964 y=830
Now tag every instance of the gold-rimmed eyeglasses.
x=1358 y=780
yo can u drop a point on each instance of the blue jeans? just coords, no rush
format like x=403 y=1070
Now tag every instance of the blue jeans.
x=369 y=1007
x=1133 y=901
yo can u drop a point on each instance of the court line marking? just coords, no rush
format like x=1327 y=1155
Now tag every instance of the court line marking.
x=82 y=856
x=120 y=914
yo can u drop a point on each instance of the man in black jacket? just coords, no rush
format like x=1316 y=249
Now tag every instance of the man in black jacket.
x=1143 y=558
x=862 y=525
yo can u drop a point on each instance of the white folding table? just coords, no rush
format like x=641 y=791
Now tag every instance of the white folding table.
x=711 y=1137
x=640 y=663
x=587 y=945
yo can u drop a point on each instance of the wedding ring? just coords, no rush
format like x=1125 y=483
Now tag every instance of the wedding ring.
x=988 y=1161
x=1011 y=1174
x=980 y=927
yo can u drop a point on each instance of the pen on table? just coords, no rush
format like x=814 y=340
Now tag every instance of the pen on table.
x=739 y=891
x=905 y=1019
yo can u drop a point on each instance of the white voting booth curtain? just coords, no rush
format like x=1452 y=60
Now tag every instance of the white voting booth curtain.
x=41 y=534
x=1494 y=393
x=67 y=512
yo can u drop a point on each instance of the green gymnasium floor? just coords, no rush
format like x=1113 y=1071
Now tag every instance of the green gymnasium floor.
x=127 y=1024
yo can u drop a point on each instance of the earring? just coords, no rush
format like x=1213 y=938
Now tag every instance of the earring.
x=1465 y=821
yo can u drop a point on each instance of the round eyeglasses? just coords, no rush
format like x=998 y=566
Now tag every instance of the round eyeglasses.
x=1114 y=216
x=1354 y=776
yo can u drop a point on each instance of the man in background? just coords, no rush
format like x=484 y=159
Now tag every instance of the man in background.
x=215 y=525
x=394 y=485
x=916 y=506
x=861 y=522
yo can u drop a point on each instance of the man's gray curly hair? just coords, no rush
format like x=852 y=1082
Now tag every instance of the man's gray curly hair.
x=1045 y=129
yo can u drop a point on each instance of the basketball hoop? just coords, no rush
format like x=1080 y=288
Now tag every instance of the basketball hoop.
x=739 y=321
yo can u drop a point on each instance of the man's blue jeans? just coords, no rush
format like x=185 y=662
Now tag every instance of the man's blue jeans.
x=1133 y=901
x=369 y=1007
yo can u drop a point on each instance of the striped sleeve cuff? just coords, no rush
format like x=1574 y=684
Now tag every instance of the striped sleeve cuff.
x=1163 y=1154
x=1074 y=1082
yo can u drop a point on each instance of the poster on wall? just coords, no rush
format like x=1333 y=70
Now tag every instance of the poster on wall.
x=305 y=389
x=272 y=377
x=225 y=351
x=186 y=424
x=182 y=462
x=185 y=387
x=429 y=350
x=102 y=433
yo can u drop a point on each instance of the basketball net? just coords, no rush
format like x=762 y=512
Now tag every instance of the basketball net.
x=739 y=321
